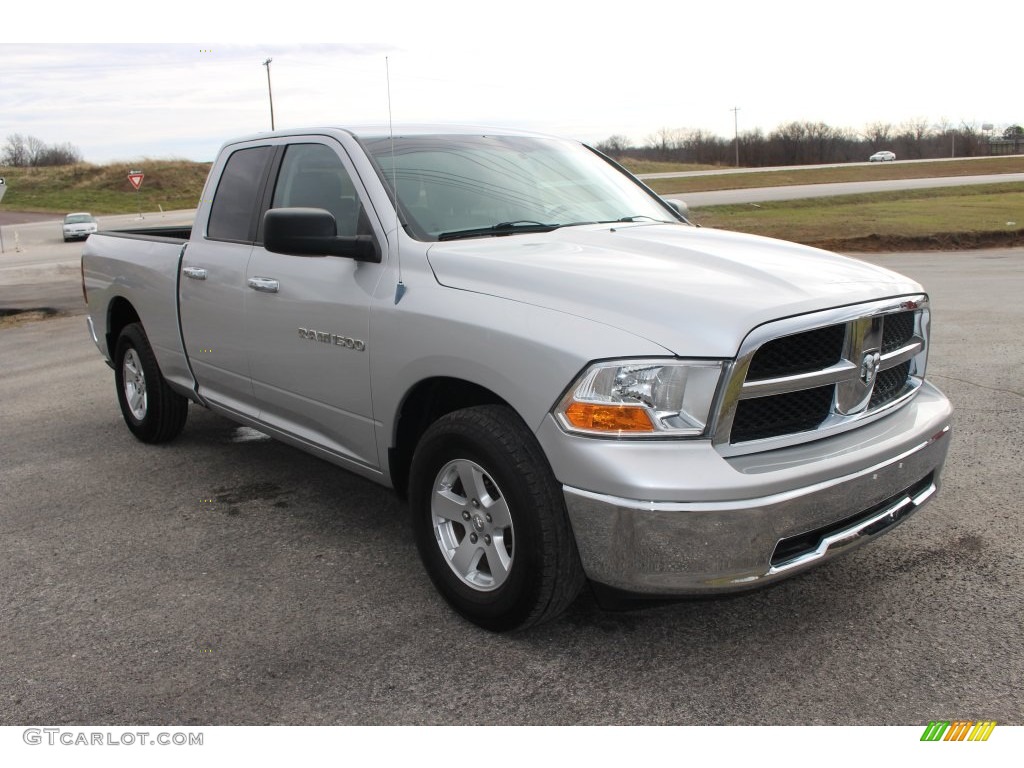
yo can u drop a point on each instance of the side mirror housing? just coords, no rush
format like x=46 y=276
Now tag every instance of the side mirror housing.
x=313 y=232
x=678 y=206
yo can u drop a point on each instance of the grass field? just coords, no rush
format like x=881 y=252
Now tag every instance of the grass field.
x=953 y=217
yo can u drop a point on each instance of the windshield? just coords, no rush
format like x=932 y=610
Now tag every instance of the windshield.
x=470 y=186
x=78 y=218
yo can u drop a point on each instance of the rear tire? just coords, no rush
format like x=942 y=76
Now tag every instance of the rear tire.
x=152 y=410
x=489 y=520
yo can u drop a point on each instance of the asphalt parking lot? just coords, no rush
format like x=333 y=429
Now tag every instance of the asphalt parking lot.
x=225 y=579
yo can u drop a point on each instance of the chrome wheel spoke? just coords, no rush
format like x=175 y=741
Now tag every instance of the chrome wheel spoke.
x=138 y=400
x=448 y=505
x=499 y=512
x=472 y=481
x=466 y=558
x=498 y=559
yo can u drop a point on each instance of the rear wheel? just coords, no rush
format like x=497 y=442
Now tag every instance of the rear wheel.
x=490 y=522
x=152 y=410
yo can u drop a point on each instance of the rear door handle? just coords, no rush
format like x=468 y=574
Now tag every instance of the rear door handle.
x=264 y=284
x=196 y=273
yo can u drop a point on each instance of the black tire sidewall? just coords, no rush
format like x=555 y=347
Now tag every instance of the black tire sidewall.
x=508 y=606
x=133 y=337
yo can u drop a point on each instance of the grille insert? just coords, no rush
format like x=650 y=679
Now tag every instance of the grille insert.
x=798 y=411
x=897 y=331
x=889 y=385
x=798 y=353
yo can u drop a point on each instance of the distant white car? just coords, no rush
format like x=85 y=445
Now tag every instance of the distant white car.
x=78 y=226
x=883 y=156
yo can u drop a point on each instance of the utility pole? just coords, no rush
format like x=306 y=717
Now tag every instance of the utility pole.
x=270 y=93
x=736 y=128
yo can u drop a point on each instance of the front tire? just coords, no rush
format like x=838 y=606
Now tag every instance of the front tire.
x=489 y=520
x=152 y=410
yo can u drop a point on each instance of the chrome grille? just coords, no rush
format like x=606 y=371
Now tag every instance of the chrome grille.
x=807 y=377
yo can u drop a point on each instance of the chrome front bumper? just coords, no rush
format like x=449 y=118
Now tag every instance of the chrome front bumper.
x=664 y=548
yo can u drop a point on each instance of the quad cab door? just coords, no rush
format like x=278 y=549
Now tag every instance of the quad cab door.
x=308 y=317
x=212 y=288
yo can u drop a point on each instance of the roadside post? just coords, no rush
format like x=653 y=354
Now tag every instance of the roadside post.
x=135 y=178
x=3 y=188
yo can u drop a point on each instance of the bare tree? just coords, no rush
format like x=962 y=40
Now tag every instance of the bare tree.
x=969 y=139
x=28 y=151
x=35 y=149
x=878 y=134
x=666 y=142
x=614 y=146
x=15 y=152
x=754 y=148
x=700 y=146
x=790 y=140
x=916 y=127
x=59 y=154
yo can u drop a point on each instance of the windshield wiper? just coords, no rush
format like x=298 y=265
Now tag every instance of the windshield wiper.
x=639 y=217
x=504 y=228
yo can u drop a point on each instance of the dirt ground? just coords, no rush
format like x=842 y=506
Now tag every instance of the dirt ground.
x=945 y=241
x=20 y=217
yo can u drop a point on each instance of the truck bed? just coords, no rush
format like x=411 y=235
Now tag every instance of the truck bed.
x=179 y=234
x=140 y=267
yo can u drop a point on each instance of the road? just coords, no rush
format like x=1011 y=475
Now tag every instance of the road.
x=816 y=167
x=38 y=269
x=223 y=579
x=802 y=191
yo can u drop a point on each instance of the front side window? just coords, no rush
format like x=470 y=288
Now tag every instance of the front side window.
x=232 y=215
x=312 y=176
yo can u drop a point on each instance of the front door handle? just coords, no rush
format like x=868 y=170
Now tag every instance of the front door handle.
x=196 y=273
x=264 y=284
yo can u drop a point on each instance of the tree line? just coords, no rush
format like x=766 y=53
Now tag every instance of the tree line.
x=810 y=143
x=29 y=152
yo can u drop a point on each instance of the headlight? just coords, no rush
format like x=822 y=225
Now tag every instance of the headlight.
x=641 y=398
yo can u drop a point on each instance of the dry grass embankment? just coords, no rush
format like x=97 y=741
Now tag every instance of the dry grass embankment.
x=105 y=189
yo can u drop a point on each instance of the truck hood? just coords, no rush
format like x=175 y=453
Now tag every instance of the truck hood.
x=696 y=292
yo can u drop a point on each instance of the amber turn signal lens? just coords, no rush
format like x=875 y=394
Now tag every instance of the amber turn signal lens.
x=608 y=418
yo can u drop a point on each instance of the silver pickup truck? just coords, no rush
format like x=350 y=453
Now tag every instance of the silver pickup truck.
x=567 y=380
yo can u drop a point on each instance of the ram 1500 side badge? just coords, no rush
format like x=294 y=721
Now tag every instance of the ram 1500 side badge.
x=331 y=338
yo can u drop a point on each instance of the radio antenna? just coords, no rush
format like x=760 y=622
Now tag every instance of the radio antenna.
x=400 y=287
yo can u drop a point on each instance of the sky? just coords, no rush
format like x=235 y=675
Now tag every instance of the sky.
x=128 y=80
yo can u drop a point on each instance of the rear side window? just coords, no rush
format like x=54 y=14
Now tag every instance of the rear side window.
x=232 y=215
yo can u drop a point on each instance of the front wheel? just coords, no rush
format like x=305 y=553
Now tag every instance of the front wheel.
x=152 y=410
x=490 y=522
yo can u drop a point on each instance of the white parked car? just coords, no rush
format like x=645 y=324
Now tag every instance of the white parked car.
x=883 y=156
x=78 y=226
